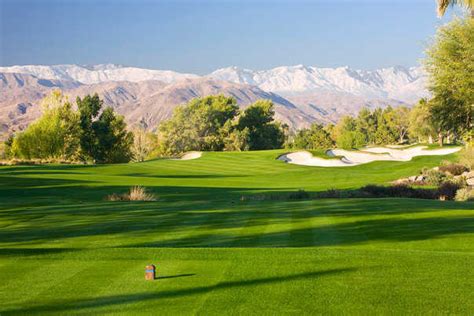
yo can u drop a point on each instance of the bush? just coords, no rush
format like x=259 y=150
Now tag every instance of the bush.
x=464 y=194
x=453 y=168
x=447 y=190
x=136 y=193
x=299 y=195
x=466 y=157
x=434 y=177
x=398 y=190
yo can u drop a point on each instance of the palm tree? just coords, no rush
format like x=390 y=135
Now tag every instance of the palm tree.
x=444 y=4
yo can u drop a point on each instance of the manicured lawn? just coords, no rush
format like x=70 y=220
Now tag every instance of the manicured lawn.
x=65 y=250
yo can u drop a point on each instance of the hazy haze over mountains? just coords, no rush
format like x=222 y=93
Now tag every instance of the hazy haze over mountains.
x=302 y=94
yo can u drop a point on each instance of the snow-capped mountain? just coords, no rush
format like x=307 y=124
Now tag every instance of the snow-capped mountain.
x=397 y=83
x=97 y=73
x=302 y=95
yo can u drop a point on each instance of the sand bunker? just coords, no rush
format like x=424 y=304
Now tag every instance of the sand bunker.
x=305 y=158
x=366 y=155
x=191 y=155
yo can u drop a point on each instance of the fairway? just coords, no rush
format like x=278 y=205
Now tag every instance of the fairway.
x=65 y=250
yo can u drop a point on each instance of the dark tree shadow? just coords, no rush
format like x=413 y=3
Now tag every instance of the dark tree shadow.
x=174 y=276
x=111 y=301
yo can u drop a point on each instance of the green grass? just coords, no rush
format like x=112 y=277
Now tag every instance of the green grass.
x=64 y=250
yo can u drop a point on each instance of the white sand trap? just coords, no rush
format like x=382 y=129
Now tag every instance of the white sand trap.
x=305 y=158
x=408 y=153
x=366 y=155
x=191 y=155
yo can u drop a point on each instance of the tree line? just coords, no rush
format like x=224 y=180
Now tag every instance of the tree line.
x=88 y=132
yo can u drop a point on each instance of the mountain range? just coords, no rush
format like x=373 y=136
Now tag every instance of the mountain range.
x=301 y=94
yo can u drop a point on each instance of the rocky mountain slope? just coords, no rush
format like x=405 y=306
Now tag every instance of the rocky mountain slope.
x=148 y=101
x=302 y=94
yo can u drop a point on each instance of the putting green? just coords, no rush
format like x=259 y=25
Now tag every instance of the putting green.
x=64 y=250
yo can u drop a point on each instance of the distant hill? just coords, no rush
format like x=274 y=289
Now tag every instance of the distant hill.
x=302 y=94
x=148 y=101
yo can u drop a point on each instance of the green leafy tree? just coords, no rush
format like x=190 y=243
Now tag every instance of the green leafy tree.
x=263 y=132
x=386 y=132
x=104 y=137
x=421 y=125
x=234 y=139
x=400 y=122
x=198 y=125
x=366 y=123
x=450 y=68
x=316 y=137
x=144 y=144
x=53 y=135
x=347 y=135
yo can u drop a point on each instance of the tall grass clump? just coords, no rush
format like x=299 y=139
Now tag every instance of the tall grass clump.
x=136 y=193
x=465 y=194
x=466 y=157
x=139 y=193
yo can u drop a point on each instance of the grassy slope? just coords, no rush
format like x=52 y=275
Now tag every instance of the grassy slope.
x=64 y=250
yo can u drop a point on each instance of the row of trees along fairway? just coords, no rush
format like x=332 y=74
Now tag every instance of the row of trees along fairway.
x=215 y=123
x=89 y=133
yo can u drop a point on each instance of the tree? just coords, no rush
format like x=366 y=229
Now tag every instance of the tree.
x=347 y=135
x=144 y=143
x=198 y=125
x=234 y=139
x=263 y=132
x=366 y=123
x=450 y=68
x=316 y=137
x=444 y=4
x=401 y=122
x=53 y=135
x=103 y=137
x=421 y=125
x=114 y=142
x=89 y=108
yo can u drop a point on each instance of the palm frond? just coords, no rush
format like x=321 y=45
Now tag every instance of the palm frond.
x=444 y=4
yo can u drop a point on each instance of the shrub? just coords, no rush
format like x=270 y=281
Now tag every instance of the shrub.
x=299 y=195
x=466 y=157
x=453 y=168
x=434 y=177
x=398 y=190
x=464 y=194
x=136 y=193
x=447 y=190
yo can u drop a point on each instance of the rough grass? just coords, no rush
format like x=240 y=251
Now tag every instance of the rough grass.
x=63 y=250
x=136 y=193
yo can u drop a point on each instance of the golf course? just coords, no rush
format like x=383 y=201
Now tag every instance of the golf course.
x=220 y=246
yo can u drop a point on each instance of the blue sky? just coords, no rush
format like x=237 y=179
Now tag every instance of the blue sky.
x=201 y=36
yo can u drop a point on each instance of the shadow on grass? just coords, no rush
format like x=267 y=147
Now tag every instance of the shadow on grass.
x=26 y=252
x=182 y=176
x=41 y=209
x=206 y=220
x=112 y=301
x=174 y=276
x=330 y=235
